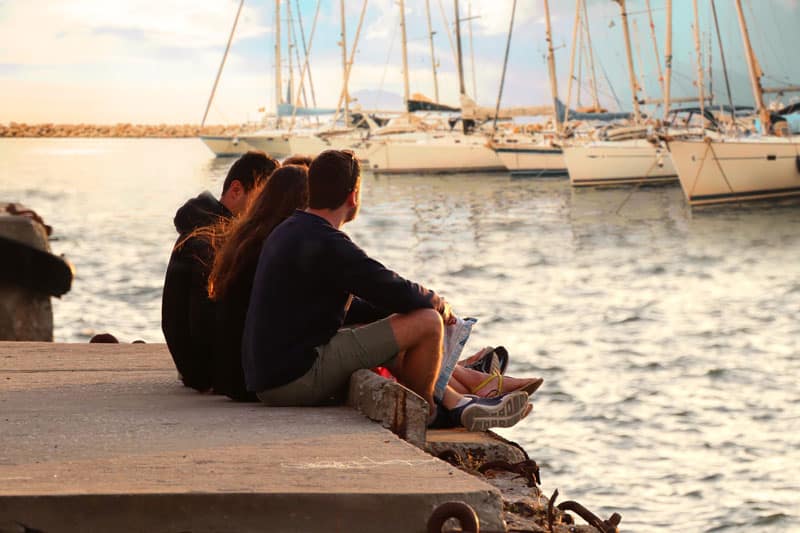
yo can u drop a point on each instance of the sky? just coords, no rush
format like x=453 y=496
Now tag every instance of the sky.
x=154 y=61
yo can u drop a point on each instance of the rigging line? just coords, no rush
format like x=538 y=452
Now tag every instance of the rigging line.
x=637 y=186
x=505 y=64
x=449 y=33
x=588 y=34
x=293 y=37
x=222 y=64
x=472 y=51
x=722 y=59
x=307 y=65
x=386 y=65
x=608 y=82
x=305 y=49
x=348 y=69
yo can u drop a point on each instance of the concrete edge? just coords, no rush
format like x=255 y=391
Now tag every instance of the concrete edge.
x=240 y=512
x=397 y=408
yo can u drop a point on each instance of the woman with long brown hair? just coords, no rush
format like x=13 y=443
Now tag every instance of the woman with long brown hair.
x=237 y=249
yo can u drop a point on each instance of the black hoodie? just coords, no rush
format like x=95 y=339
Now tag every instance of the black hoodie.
x=187 y=315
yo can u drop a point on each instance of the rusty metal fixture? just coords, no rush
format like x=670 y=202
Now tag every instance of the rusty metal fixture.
x=604 y=526
x=551 y=515
x=522 y=508
x=466 y=516
x=452 y=457
x=527 y=469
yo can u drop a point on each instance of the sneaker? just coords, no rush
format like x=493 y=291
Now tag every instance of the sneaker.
x=503 y=411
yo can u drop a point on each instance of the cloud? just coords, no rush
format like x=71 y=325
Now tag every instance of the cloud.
x=92 y=31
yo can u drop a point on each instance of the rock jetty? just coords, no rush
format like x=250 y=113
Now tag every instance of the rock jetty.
x=21 y=129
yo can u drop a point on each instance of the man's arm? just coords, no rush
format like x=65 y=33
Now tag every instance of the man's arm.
x=351 y=269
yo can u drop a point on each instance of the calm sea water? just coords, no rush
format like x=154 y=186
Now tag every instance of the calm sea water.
x=669 y=340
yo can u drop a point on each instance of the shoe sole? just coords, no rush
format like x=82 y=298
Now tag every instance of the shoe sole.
x=512 y=409
x=532 y=387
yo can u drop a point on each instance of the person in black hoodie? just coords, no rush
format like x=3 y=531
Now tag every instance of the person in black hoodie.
x=321 y=308
x=187 y=314
x=231 y=278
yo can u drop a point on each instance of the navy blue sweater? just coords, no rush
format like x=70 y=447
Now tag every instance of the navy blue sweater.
x=301 y=296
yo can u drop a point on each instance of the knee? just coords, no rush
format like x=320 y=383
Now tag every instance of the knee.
x=429 y=321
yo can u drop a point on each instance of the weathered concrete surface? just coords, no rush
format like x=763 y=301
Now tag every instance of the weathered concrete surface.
x=103 y=438
x=477 y=447
x=397 y=408
x=24 y=314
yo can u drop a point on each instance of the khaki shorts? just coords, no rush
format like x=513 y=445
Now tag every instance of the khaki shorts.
x=327 y=381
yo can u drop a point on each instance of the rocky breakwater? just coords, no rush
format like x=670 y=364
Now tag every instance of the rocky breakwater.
x=21 y=129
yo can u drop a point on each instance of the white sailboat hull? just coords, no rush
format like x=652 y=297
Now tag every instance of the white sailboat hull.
x=226 y=145
x=607 y=163
x=737 y=170
x=435 y=156
x=283 y=144
x=532 y=160
x=274 y=144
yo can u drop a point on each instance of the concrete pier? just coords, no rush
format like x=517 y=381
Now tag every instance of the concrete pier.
x=102 y=437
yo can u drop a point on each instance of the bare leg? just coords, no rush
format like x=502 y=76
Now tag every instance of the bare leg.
x=474 y=357
x=419 y=337
x=465 y=380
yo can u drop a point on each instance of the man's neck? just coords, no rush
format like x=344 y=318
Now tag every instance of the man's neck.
x=336 y=217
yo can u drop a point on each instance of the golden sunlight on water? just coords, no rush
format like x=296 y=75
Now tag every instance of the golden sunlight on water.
x=668 y=340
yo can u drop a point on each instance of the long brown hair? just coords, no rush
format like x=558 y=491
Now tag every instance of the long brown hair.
x=240 y=244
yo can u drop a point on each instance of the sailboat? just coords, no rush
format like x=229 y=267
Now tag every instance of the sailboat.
x=620 y=155
x=406 y=147
x=536 y=155
x=734 y=167
x=289 y=132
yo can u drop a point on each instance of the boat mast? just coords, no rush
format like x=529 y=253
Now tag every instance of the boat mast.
x=348 y=66
x=668 y=59
x=403 y=38
x=278 y=81
x=639 y=57
x=305 y=48
x=655 y=47
x=306 y=68
x=472 y=51
x=222 y=64
x=505 y=65
x=344 y=66
x=755 y=71
x=290 y=43
x=551 y=66
x=460 y=60
x=433 y=53
x=698 y=51
x=588 y=37
x=634 y=89
x=572 y=58
x=724 y=66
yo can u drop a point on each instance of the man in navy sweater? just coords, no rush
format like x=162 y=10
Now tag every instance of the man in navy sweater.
x=321 y=309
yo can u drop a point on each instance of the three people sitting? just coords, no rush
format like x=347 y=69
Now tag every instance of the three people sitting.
x=308 y=307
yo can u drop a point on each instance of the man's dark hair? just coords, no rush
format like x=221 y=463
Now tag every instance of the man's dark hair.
x=251 y=168
x=298 y=159
x=333 y=175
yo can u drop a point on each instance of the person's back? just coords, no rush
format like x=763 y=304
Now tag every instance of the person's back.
x=297 y=307
x=187 y=314
x=234 y=269
x=310 y=278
